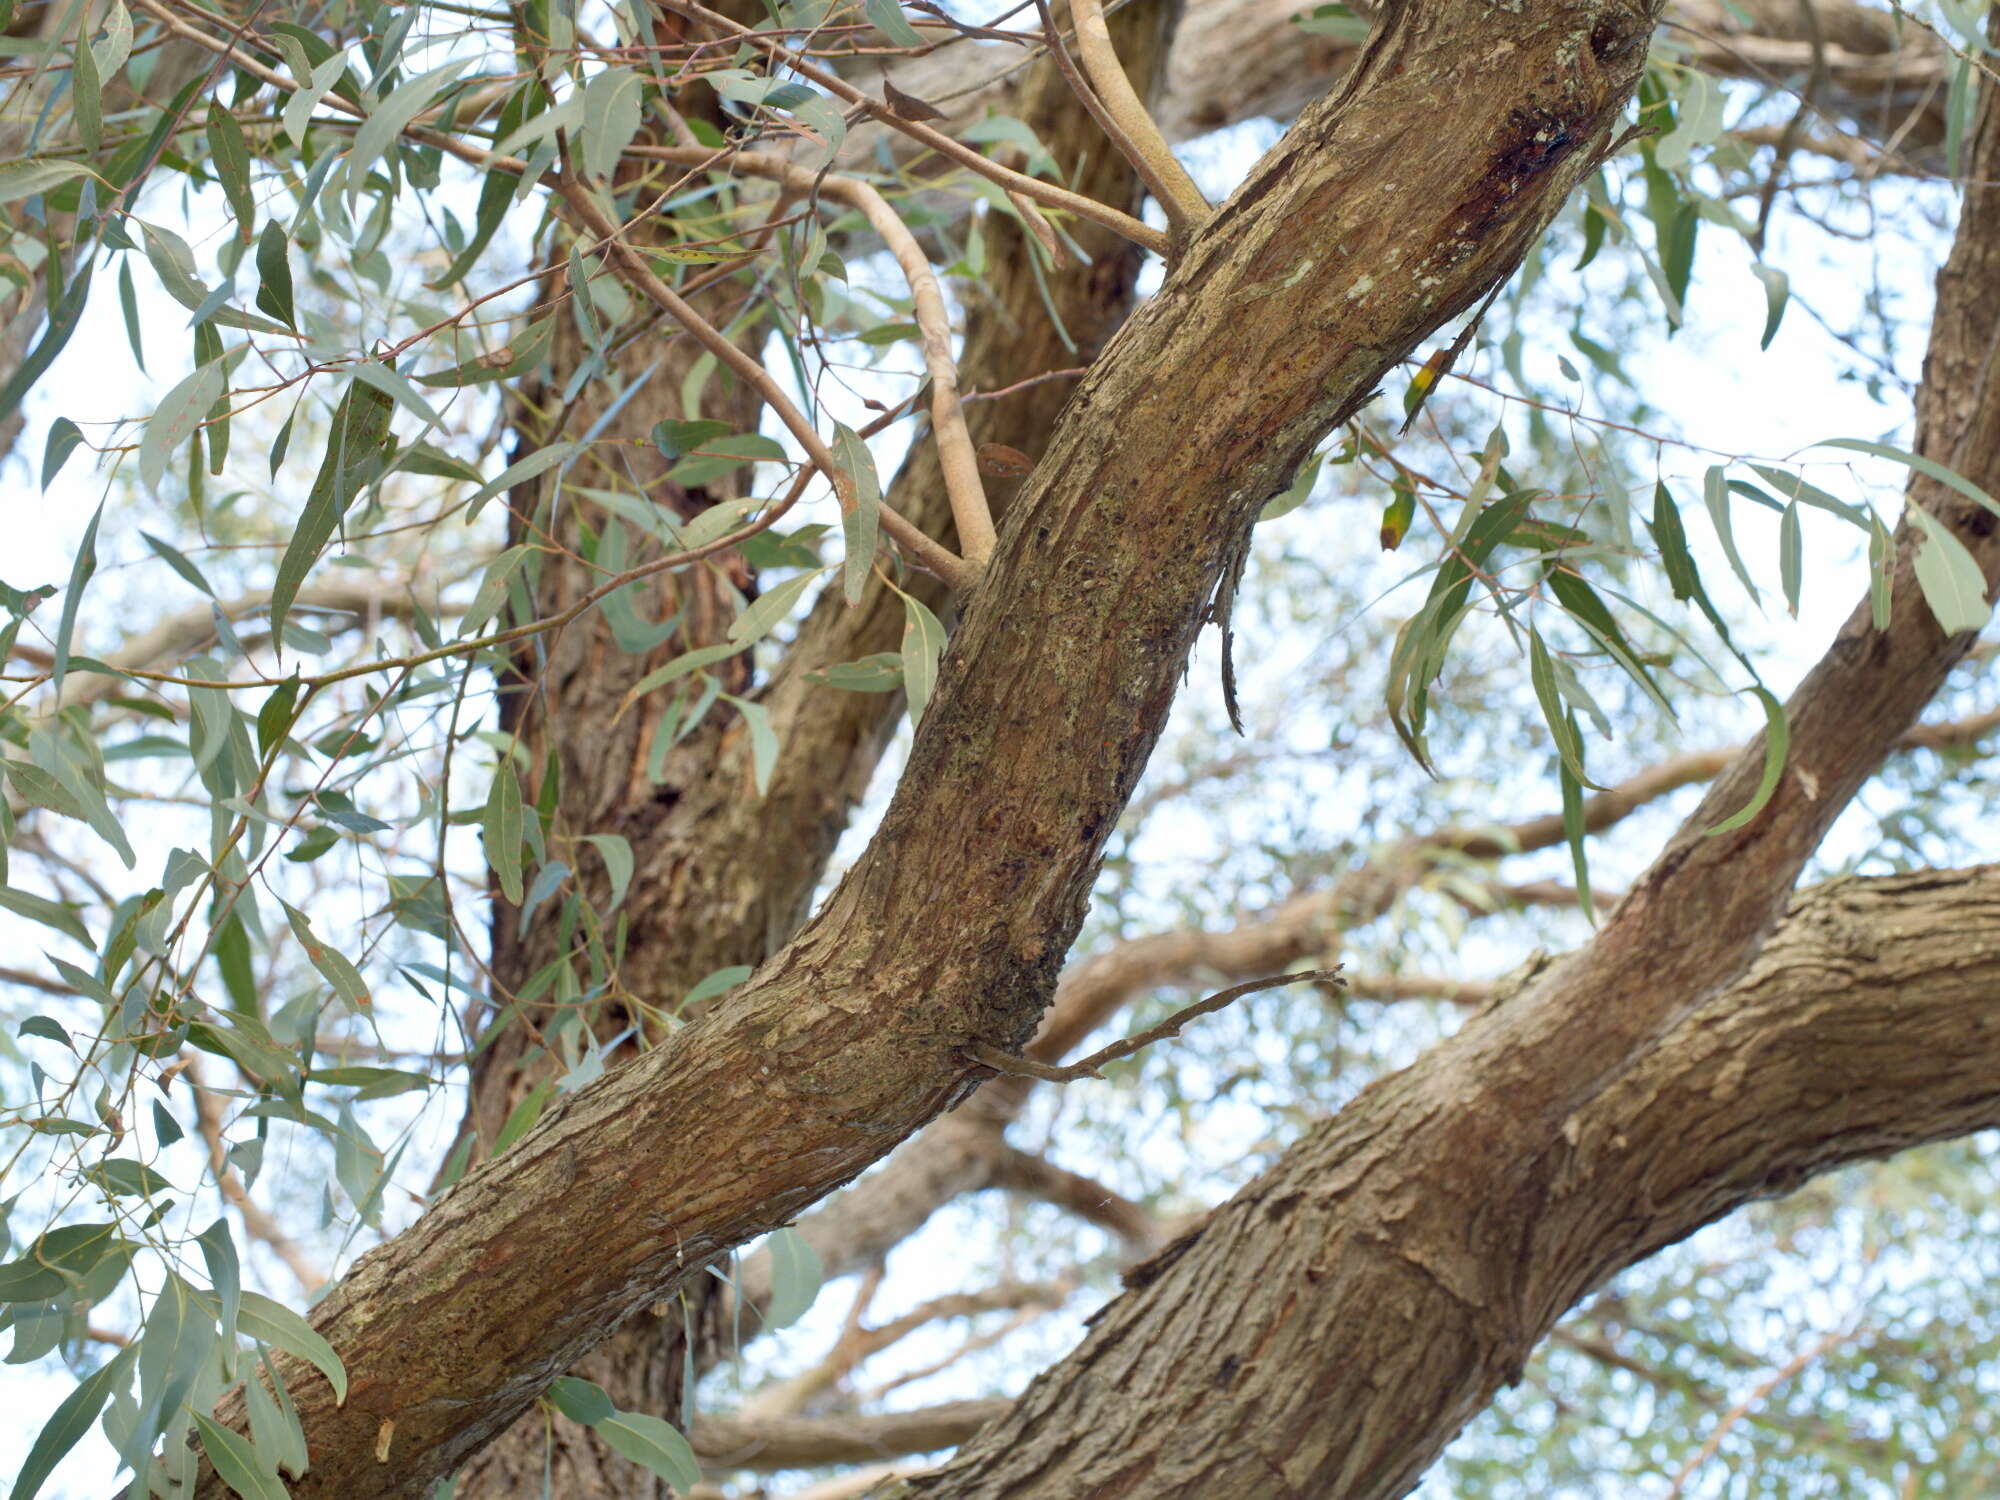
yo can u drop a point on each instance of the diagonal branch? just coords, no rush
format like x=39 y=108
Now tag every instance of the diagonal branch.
x=1185 y=206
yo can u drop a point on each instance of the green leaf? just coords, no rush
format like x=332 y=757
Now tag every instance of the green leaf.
x=539 y=461
x=177 y=1340
x=653 y=1443
x=763 y=740
x=314 y=81
x=276 y=714
x=354 y=452
x=523 y=1117
x=617 y=854
x=1929 y=468
x=64 y=436
x=1573 y=834
x=580 y=1400
x=1881 y=571
x=1777 y=292
x=879 y=673
x=923 y=648
x=1786 y=483
x=237 y=1463
x=25 y=178
x=274 y=1423
x=860 y=489
x=796 y=1277
x=1715 y=495
x=1561 y=723
x=1791 y=557
x=680 y=666
x=229 y=156
x=1581 y=600
x=70 y=1421
x=275 y=1324
x=1777 y=741
x=81 y=572
x=610 y=119
x=274 y=275
x=1295 y=494
x=1953 y=585
x=715 y=984
x=388 y=119
x=225 y=1275
x=677 y=439
x=333 y=965
x=180 y=414
x=886 y=16
x=87 y=97
x=770 y=609
x=48 y=913
x=503 y=828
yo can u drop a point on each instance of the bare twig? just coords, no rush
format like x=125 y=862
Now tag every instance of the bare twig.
x=1001 y=1061
x=940 y=560
x=1139 y=136
x=967 y=493
x=1041 y=192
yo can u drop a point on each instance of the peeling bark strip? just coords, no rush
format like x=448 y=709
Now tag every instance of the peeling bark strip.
x=1360 y=233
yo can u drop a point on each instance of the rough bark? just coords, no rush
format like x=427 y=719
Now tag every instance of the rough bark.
x=1478 y=1194
x=722 y=877
x=1359 y=234
x=1863 y=1028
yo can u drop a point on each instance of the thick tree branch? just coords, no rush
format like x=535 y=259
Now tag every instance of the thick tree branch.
x=1564 y=1134
x=768 y=1444
x=952 y=926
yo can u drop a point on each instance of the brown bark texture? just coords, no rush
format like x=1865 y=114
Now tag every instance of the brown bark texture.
x=1359 y=234
x=1362 y=1300
x=721 y=877
x=1863 y=1027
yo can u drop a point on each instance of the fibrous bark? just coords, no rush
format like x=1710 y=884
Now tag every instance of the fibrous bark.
x=723 y=877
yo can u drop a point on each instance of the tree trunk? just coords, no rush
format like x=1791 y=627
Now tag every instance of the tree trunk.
x=1365 y=1298
x=723 y=878
x=1359 y=234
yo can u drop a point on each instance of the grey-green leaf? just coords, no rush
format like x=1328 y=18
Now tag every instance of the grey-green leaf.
x=1949 y=575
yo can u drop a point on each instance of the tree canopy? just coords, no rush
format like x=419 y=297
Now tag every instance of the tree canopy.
x=756 y=717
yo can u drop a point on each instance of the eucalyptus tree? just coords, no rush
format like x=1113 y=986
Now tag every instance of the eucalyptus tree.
x=578 y=336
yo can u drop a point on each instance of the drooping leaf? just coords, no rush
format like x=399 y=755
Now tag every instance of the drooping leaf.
x=580 y=1400
x=71 y=1419
x=653 y=1443
x=355 y=450
x=796 y=1277
x=1949 y=575
x=923 y=649
x=237 y=1462
x=860 y=490
x=275 y=1324
x=1777 y=744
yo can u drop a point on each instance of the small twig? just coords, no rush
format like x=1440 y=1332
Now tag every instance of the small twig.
x=1744 y=1407
x=969 y=508
x=927 y=553
x=1138 y=135
x=1083 y=207
x=1087 y=97
x=1014 y=1065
